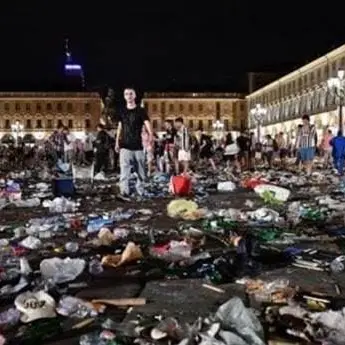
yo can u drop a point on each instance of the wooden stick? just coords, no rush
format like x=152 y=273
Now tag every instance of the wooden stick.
x=213 y=288
x=83 y=323
x=121 y=302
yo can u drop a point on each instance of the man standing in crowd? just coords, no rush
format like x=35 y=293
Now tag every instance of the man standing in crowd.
x=338 y=153
x=129 y=142
x=169 y=145
x=102 y=146
x=183 y=144
x=243 y=143
x=58 y=139
x=88 y=147
x=68 y=145
x=326 y=147
x=306 y=143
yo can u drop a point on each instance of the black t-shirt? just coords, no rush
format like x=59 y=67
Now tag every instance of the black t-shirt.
x=206 y=140
x=132 y=121
x=170 y=136
x=243 y=143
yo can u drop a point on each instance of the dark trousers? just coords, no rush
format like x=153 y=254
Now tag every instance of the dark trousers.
x=101 y=161
x=89 y=156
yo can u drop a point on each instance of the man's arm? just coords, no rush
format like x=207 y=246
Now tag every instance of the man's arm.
x=147 y=125
x=148 y=128
x=118 y=135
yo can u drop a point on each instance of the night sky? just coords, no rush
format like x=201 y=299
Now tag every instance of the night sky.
x=203 y=45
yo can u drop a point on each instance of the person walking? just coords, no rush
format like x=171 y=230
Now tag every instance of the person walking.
x=129 y=143
x=338 y=153
x=326 y=147
x=102 y=146
x=183 y=144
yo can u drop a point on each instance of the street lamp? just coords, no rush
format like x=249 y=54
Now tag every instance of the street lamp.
x=218 y=127
x=258 y=113
x=337 y=85
x=17 y=129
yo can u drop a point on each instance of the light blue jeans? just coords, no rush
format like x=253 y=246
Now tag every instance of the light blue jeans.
x=129 y=159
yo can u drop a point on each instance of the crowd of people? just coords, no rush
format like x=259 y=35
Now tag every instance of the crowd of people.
x=136 y=147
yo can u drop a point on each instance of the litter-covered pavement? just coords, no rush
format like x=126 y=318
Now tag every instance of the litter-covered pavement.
x=250 y=259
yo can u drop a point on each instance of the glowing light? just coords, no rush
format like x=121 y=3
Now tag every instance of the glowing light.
x=73 y=67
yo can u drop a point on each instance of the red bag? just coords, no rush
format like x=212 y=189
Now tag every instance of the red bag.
x=180 y=185
x=251 y=183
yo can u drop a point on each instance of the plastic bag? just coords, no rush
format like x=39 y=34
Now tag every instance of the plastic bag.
x=62 y=270
x=234 y=315
x=227 y=186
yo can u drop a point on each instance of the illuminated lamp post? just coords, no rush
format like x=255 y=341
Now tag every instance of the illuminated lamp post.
x=17 y=129
x=218 y=127
x=258 y=113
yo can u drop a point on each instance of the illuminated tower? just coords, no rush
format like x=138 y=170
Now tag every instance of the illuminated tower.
x=73 y=72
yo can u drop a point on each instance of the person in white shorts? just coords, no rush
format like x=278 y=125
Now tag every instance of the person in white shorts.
x=182 y=144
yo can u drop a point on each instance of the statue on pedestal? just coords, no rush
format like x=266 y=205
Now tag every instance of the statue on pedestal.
x=108 y=113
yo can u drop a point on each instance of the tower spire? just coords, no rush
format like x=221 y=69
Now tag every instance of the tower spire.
x=72 y=69
x=67 y=51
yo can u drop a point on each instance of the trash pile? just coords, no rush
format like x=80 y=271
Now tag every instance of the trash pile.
x=67 y=247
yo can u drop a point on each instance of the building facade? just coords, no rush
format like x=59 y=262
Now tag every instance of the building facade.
x=302 y=92
x=199 y=110
x=37 y=114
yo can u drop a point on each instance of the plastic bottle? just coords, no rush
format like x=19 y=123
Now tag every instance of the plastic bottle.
x=72 y=247
x=337 y=266
x=95 y=267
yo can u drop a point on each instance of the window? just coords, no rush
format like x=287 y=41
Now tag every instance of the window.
x=49 y=107
x=39 y=123
x=28 y=123
x=17 y=107
x=7 y=107
x=38 y=107
x=209 y=124
x=69 y=107
x=234 y=107
x=334 y=67
x=27 y=107
x=163 y=107
x=201 y=108
x=242 y=106
x=70 y=123
x=171 y=108
x=7 y=124
x=190 y=107
x=200 y=125
x=312 y=77
x=243 y=124
x=318 y=75
x=181 y=107
x=87 y=108
x=342 y=62
x=191 y=124
x=154 y=124
x=60 y=123
x=154 y=108
x=305 y=80
x=326 y=69
x=226 y=125
x=59 y=107
x=49 y=123
x=87 y=123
